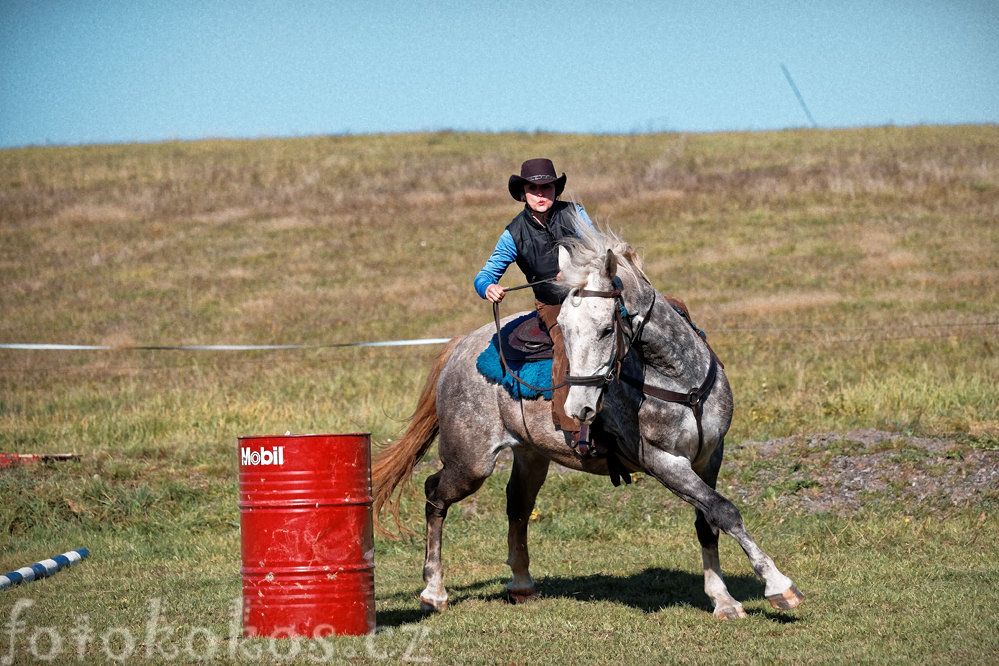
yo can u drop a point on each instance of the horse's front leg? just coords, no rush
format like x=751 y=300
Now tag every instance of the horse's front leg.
x=528 y=475
x=676 y=474
x=726 y=606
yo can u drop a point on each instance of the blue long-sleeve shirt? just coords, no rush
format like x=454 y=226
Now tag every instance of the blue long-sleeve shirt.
x=504 y=254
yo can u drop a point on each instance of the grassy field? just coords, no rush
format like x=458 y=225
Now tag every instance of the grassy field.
x=847 y=279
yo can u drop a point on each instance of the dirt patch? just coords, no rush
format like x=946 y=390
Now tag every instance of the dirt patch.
x=843 y=474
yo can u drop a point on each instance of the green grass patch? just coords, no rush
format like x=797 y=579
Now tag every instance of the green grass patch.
x=845 y=278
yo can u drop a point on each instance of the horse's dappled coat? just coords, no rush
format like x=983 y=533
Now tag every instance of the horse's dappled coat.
x=474 y=418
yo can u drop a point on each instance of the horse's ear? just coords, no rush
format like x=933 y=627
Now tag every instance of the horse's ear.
x=564 y=260
x=610 y=264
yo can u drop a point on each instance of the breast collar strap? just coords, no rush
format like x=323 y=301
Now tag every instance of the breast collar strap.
x=694 y=398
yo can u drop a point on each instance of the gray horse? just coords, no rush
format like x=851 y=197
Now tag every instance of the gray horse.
x=663 y=401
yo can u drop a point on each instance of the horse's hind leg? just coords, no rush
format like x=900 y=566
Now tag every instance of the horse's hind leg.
x=528 y=475
x=451 y=484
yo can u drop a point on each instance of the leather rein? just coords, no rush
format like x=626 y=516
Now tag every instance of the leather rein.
x=499 y=343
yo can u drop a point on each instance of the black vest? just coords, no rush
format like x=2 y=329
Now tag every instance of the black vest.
x=537 y=250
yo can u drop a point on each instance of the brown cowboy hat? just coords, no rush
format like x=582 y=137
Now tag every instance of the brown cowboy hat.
x=538 y=171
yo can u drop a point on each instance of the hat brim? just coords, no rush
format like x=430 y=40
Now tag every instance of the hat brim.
x=516 y=185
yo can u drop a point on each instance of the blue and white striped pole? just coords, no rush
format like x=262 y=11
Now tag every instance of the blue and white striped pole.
x=43 y=568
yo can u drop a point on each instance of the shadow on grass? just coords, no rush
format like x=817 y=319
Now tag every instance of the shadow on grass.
x=650 y=591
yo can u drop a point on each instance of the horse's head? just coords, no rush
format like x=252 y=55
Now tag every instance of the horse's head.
x=591 y=323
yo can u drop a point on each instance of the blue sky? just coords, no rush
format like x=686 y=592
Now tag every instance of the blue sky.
x=101 y=71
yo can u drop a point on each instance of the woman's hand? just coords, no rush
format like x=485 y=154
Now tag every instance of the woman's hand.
x=495 y=293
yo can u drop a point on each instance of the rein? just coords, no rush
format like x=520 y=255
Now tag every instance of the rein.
x=591 y=380
x=499 y=343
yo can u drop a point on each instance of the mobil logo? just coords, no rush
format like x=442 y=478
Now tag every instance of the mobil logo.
x=262 y=456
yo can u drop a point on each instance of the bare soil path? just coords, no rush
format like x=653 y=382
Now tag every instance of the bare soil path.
x=841 y=474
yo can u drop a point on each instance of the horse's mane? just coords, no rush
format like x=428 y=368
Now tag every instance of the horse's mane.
x=588 y=251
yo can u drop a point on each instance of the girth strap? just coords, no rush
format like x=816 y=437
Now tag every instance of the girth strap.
x=693 y=399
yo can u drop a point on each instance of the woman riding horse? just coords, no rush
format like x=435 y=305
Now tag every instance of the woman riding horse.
x=530 y=240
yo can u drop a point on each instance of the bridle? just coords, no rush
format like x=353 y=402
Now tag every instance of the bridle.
x=694 y=398
x=622 y=345
x=604 y=379
x=621 y=349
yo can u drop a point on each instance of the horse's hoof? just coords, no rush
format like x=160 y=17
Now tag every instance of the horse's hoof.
x=432 y=605
x=521 y=596
x=787 y=600
x=735 y=612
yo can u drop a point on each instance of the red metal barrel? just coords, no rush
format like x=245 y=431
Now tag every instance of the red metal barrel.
x=306 y=535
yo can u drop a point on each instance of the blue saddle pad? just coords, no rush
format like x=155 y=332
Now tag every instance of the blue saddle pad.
x=535 y=372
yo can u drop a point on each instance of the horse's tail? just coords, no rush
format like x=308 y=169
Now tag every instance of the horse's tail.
x=394 y=464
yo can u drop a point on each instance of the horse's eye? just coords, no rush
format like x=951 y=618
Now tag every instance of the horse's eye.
x=606 y=333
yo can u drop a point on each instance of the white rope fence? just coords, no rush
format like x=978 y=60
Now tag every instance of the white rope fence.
x=60 y=347
x=879 y=334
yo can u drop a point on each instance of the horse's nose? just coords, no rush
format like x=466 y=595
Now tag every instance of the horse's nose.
x=587 y=414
